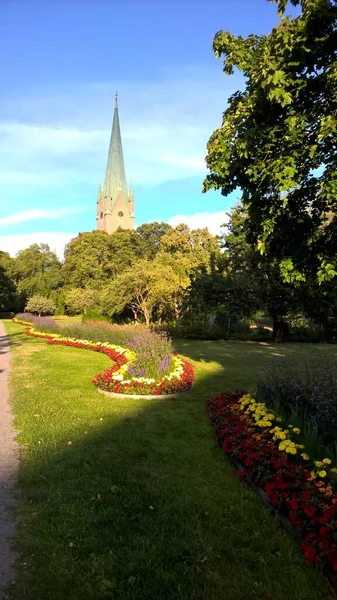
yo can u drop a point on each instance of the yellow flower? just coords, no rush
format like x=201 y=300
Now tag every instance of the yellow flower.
x=296 y=430
x=319 y=463
x=278 y=419
x=333 y=470
x=281 y=435
x=327 y=461
x=322 y=473
x=305 y=456
x=263 y=423
x=291 y=450
x=313 y=474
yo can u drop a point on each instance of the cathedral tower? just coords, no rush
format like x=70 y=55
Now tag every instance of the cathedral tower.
x=115 y=203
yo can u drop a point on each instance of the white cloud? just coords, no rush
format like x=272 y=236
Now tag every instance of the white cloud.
x=53 y=139
x=33 y=215
x=196 y=163
x=56 y=241
x=64 y=136
x=24 y=177
x=213 y=221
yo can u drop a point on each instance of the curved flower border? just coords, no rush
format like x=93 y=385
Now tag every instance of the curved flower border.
x=269 y=457
x=112 y=379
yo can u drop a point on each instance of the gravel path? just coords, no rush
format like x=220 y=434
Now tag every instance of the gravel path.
x=8 y=469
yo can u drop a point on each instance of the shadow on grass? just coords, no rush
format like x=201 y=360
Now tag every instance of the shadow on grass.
x=241 y=362
x=133 y=500
x=12 y=339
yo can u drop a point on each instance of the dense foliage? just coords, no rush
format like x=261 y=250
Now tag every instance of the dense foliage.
x=184 y=281
x=306 y=393
x=277 y=141
x=40 y=305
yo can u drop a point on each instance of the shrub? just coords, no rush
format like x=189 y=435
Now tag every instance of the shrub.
x=93 y=315
x=153 y=353
x=25 y=316
x=40 y=305
x=6 y=315
x=38 y=321
x=307 y=393
x=194 y=331
x=302 y=333
x=254 y=334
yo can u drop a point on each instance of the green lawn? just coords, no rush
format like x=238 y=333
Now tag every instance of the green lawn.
x=133 y=500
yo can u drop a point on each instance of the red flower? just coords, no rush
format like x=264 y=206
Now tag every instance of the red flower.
x=324 y=530
x=286 y=482
x=309 y=552
x=104 y=380
x=310 y=510
x=274 y=500
x=293 y=520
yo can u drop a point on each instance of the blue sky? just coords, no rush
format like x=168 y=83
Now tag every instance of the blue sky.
x=62 y=61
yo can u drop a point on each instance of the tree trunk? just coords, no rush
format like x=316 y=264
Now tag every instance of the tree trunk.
x=280 y=329
x=177 y=314
x=212 y=321
x=147 y=316
x=135 y=315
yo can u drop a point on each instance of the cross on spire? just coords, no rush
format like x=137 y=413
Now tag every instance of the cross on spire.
x=116 y=100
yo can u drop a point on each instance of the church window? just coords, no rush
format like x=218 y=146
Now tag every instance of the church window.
x=101 y=215
x=120 y=214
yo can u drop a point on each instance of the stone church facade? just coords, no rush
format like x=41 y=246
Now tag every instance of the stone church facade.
x=115 y=202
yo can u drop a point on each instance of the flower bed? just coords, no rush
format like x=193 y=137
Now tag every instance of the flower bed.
x=299 y=490
x=114 y=379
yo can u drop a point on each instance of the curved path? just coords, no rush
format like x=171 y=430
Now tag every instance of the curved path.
x=8 y=468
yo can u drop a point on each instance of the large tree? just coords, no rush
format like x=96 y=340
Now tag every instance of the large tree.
x=149 y=237
x=87 y=259
x=94 y=257
x=78 y=300
x=141 y=289
x=36 y=270
x=8 y=293
x=277 y=141
x=242 y=281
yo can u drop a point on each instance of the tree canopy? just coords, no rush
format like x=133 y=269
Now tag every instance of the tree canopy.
x=40 y=305
x=8 y=292
x=277 y=141
x=36 y=270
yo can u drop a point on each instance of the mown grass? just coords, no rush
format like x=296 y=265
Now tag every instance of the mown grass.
x=133 y=500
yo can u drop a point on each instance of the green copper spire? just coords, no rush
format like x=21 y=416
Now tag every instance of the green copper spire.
x=115 y=181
